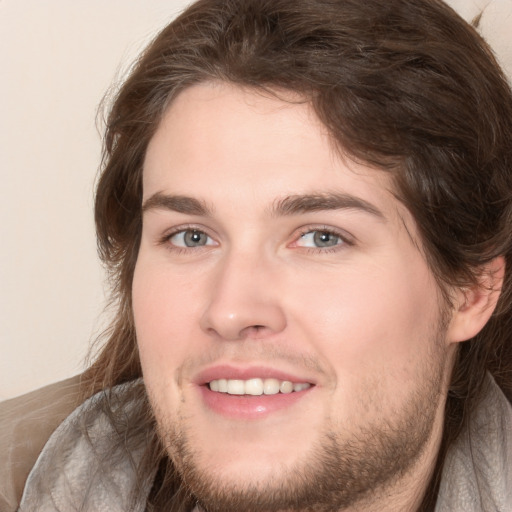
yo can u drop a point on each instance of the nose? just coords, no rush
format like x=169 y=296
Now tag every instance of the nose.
x=244 y=300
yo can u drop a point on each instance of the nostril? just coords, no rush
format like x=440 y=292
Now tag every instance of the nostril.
x=256 y=329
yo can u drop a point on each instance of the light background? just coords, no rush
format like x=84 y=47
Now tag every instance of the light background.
x=58 y=58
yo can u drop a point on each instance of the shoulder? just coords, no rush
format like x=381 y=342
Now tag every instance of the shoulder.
x=477 y=473
x=91 y=461
x=26 y=423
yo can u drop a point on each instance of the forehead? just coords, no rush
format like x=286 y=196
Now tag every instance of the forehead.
x=227 y=144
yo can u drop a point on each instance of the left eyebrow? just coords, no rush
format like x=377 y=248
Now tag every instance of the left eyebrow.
x=297 y=204
x=180 y=204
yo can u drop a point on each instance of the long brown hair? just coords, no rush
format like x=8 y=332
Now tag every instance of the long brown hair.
x=404 y=85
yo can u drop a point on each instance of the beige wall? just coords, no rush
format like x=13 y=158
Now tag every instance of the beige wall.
x=57 y=58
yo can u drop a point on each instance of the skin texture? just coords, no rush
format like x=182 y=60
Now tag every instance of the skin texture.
x=361 y=318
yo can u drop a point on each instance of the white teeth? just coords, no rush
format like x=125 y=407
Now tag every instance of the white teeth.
x=271 y=386
x=236 y=387
x=286 y=387
x=256 y=387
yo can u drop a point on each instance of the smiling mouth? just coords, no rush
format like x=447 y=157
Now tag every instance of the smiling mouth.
x=256 y=387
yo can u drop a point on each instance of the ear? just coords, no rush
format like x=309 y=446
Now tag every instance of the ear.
x=474 y=306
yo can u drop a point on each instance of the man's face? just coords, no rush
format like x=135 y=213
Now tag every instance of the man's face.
x=268 y=264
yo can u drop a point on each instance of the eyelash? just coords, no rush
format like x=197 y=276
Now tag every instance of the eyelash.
x=165 y=239
x=346 y=240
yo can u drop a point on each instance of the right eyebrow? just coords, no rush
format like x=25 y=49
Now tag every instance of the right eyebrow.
x=176 y=203
x=298 y=204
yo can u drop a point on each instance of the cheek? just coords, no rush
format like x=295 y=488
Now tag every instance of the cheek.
x=164 y=315
x=380 y=319
x=376 y=332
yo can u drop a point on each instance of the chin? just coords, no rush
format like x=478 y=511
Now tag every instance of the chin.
x=322 y=472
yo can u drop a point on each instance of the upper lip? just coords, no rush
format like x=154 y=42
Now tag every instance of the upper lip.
x=227 y=371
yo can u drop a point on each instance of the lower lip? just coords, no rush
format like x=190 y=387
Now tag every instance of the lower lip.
x=249 y=407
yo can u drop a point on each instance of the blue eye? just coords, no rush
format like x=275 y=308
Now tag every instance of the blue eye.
x=190 y=238
x=319 y=239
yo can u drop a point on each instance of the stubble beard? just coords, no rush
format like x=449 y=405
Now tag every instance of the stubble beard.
x=334 y=475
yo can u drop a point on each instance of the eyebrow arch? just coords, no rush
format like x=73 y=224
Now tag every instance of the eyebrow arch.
x=176 y=203
x=297 y=204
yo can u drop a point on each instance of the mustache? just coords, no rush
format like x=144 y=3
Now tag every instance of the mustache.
x=250 y=352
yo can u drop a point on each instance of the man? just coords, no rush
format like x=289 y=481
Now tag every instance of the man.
x=305 y=208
